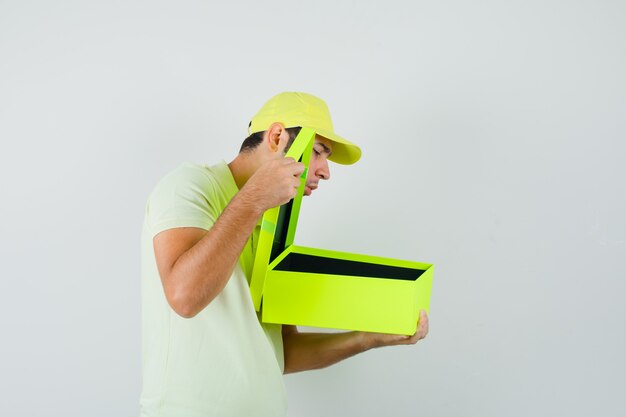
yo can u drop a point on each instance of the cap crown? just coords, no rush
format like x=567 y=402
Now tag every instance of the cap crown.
x=293 y=109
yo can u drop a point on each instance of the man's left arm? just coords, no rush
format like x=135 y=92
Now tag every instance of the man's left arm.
x=306 y=351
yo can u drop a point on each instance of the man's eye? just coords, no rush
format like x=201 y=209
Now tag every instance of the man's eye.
x=317 y=153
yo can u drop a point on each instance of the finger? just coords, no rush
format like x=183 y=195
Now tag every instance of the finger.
x=424 y=319
x=298 y=169
x=423 y=324
x=290 y=164
x=420 y=331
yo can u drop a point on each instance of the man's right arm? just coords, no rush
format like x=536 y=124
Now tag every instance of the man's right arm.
x=195 y=264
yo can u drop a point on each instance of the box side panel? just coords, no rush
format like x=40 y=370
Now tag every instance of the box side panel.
x=304 y=143
x=423 y=287
x=340 y=302
x=264 y=248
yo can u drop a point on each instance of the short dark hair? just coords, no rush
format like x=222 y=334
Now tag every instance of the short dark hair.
x=255 y=139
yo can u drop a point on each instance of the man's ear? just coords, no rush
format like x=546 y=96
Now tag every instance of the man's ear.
x=273 y=136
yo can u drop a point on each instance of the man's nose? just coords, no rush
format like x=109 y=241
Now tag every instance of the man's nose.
x=323 y=171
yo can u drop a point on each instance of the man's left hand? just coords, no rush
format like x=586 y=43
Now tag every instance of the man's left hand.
x=382 y=339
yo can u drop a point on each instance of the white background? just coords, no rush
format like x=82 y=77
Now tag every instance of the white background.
x=493 y=137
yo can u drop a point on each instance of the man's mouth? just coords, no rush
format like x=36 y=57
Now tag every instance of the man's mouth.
x=309 y=189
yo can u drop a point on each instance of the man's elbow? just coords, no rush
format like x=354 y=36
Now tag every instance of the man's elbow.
x=182 y=304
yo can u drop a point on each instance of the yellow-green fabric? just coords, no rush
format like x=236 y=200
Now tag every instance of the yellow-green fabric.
x=222 y=362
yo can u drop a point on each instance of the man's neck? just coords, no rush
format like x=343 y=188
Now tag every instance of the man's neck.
x=243 y=167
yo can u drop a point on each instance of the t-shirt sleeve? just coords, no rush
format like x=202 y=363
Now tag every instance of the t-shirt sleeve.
x=182 y=199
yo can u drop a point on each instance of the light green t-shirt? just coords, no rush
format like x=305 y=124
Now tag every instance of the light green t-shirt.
x=222 y=362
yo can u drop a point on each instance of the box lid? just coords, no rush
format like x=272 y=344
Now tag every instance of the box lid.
x=278 y=226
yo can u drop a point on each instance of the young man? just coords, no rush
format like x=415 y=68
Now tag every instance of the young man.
x=205 y=352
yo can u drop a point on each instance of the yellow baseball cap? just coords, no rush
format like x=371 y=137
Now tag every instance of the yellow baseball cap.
x=305 y=110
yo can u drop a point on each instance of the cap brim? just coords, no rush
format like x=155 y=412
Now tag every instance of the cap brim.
x=344 y=152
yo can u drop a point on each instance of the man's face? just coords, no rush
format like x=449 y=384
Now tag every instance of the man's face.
x=318 y=167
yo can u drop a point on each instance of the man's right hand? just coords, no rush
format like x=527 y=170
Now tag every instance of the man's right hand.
x=274 y=183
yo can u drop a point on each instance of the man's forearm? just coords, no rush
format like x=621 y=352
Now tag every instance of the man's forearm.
x=306 y=351
x=203 y=271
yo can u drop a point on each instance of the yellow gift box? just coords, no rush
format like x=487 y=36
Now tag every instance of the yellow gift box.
x=322 y=288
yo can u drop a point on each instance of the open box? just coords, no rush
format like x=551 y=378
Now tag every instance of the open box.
x=323 y=288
